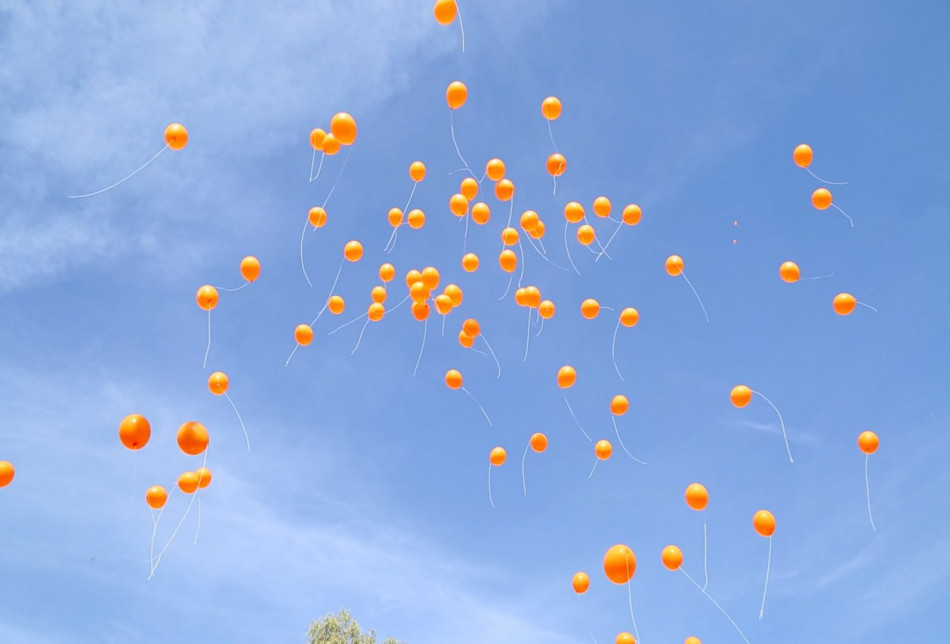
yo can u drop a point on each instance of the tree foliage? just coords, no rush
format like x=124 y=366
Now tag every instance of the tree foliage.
x=342 y=629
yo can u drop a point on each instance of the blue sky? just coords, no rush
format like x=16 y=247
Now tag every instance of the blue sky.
x=366 y=487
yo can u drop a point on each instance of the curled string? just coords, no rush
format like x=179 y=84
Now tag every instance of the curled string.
x=122 y=180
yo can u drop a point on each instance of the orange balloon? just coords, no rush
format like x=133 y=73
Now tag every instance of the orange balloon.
x=417 y=171
x=551 y=108
x=532 y=297
x=343 y=127
x=509 y=236
x=316 y=138
x=556 y=164
x=585 y=234
x=458 y=204
x=445 y=11
x=454 y=293
x=802 y=155
x=692 y=640
x=469 y=188
x=520 y=297
x=629 y=317
x=764 y=523
x=674 y=265
x=453 y=378
x=696 y=496
x=420 y=311
x=418 y=291
x=603 y=449
x=471 y=327
x=7 y=472
x=394 y=216
x=250 y=268
x=672 y=557
x=602 y=207
x=204 y=477
x=207 y=297
x=498 y=456
x=317 y=217
x=331 y=144
x=336 y=304
x=413 y=276
x=590 y=308
x=456 y=94
x=821 y=198
x=504 y=190
x=134 y=431
x=508 y=260
x=495 y=169
x=625 y=638
x=481 y=213
x=193 y=438
x=176 y=136
x=378 y=294
x=353 y=251
x=580 y=582
x=789 y=272
x=620 y=564
x=868 y=442
x=303 y=334
x=539 y=442
x=430 y=277
x=376 y=311
x=443 y=304
x=470 y=262
x=529 y=220
x=538 y=231
x=740 y=396
x=416 y=219
x=156 y=496
x=844 y=303
x=619 y=405
x=387 y=272
x=188 y=482
x=466 y=340
x=218 y=383
x=631 y=214
x=546 y=309
x=566 y=377
x=574 y=212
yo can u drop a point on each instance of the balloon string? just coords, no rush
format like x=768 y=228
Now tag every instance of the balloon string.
x=613 y=352
x=820 y=277
x=596 y=460
x=630 y=603
x=475 y=400
x=461 y=27
x=158 y=557
x=698 y=299
x=511 y=277
x=716 y=604
x=524 y=485
x=551 y=136
x=528 y=338
x=330 y=294
x=592 y=637
x=523 y=263
x=768 y=566
x=208 y=348
x=455 y=143
x=359 y=340
x=544 y=253
x=425 y=330
x=346 y=324
x=781 y=422
x=554 y=192
x=338 y=177
x=498 y=364
x=323 y=155
x=568 y=248
x=198 y=529
x=291 y=355
x=232 y=290
x=868 y=306
x=123 y=180
x=705 y=557
x=303 y=266
x=409 y=200
x=610 y=239
x=867 y=487
x=851 y=221
x=540 y=328
x=603 y=249
x=490 y=500
x=465 y=236
x=576 y=422
x=613 y=419
x=241 y=420
x=155 y=522
x=391 y=244
x=401 y=302
x=830 y=183
x=443 y=324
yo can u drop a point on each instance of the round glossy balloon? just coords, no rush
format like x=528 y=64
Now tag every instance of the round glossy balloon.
x=343 y=127
x=602 y=207
x=316 y=138
x=674 y=265
x=764 y=523
x=620 y=564
x=504 y=189
x=470 y=262
x=336 y=304
x=590 y=308
x=317 y=217
x=420 y=311
x=207 y=297
x=580 y=582
x=134 y=431
x=453 y=378
x=625 y=638
x=7 y=472
x=204 y=477
x=868 y=442
x=445 y=11
x=821 y=198
x=430 y=277
x=417 y=171
x=551 y=108
x=574 y=212
x=802 y=155
x=692 y=640
x=532 y=297
x=498 y=456
x=378 y=294
x=629 y=317
x=632 y=214
x=458 y=205
x=603 y=449
x=471 y=327
x=844 y=303
x=495 y=169
x=394 y=217
x=566 y=377
x=469 y=188
x=508 y=260
x=250 y=268
x=387 y=272
x=188 y=482
x=353 y=251
x=176 y=136
x=546 y=309
x=619 y=405
x=156 y=496
x=789 y=272
x=193 y=438
x=454 y=293
x=481 y=213
x=697 y=497
x=416 y=219
x=456 y=94
x=509 y=236
x=376 y=311
x=539 y=442
x=331 y=144
x=529 y=220
x=218 y=383
x=443 y=304
x=303 y=334
x=672 y=557
x=740 y=395
x=556 y=164
x=585 y=234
